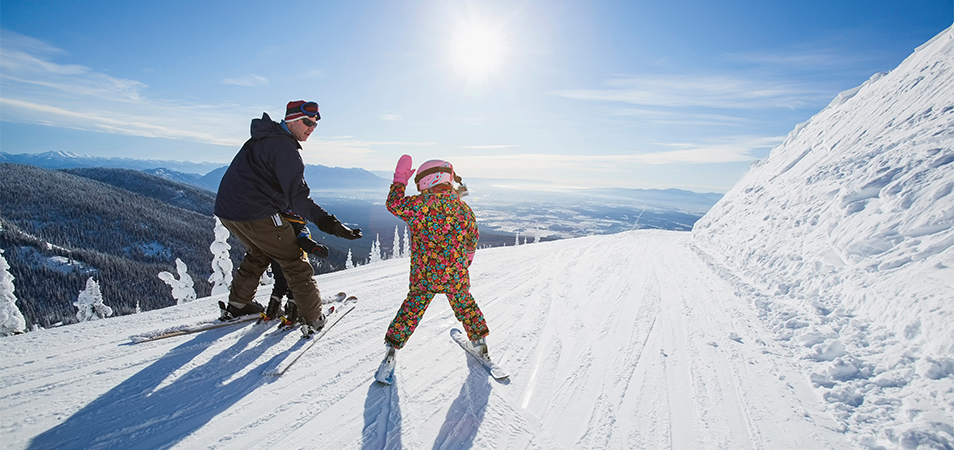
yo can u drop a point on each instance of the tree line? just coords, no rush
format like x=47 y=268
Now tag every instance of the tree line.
x=118 y=236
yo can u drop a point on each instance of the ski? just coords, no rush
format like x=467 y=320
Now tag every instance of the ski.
x=338 y=298
x=224 y=321
x=385 y=373
x=496 y=371
x=286 y=323
x=333 y=317
x=190 y=329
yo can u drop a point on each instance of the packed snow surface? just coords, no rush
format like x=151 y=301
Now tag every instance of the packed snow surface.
x=620 y=341
x=810 y=309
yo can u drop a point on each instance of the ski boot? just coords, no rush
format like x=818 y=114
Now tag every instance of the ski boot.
x=274 y=306
x=385 y=373
x=480 y=347
x=290 y=316
x=309 y=329
x=230 y=311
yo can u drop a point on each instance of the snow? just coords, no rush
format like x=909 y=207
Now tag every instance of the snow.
x=809 y=309
x=843 y=239
x=619 y=341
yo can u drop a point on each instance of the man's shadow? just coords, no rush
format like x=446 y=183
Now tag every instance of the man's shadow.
x=138 y=413
x=467 y=412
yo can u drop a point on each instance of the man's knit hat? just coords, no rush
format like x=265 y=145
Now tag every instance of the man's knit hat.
x=300 y=109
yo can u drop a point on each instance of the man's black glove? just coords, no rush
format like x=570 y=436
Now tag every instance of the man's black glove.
x=310 y=246
x=331 y=225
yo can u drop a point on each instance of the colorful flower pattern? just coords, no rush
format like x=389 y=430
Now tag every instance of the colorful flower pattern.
x=443 y=230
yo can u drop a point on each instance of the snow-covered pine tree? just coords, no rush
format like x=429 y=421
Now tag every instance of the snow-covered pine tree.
x=375 y=255
x=348 y=263
x=221 y=277
x=89 y=303
x=183 y=289
x=517 y=240
x=11 y=319
x=406 y=249
x=396 y=246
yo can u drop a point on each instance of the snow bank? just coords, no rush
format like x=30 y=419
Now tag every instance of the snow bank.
x=843 y=236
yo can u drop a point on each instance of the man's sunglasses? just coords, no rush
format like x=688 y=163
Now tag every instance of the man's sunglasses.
x=309 y=109
x=309 y=123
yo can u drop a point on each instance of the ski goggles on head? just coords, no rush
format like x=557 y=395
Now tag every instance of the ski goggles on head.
x=432 y=170
x=309 y=109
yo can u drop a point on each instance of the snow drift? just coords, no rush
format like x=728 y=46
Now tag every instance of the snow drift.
x=848 y=227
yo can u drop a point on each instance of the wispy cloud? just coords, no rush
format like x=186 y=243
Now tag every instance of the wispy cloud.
x=682 y=91
x=831 y=53
x=489 y=147
x=36 y=89
x=250 y=80
x=390 y=117
x=345 y=151
x=725 y=150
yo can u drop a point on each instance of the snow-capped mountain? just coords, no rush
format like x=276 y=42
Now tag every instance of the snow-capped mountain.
x=810 y=309
x=70 y=160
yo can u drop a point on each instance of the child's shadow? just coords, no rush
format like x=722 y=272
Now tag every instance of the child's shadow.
x=467 y=412
x=137 y=413
x=382 y=418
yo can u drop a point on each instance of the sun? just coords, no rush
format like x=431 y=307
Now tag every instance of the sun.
x=478 y=49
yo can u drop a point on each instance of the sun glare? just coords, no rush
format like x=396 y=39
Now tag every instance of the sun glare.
x=478 y=49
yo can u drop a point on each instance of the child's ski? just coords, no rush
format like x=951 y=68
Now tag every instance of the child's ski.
x=496 y=371
x=385 y=373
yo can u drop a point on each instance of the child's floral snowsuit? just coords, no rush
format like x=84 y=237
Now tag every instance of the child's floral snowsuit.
x=443 y=230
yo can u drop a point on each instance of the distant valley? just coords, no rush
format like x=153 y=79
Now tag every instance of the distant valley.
x=122 y=221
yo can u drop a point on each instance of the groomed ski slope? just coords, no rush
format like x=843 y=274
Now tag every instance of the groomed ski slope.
x=613 y=342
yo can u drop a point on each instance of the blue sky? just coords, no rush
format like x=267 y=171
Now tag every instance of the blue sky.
x=637 y=94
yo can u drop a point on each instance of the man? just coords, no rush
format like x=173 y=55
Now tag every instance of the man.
x=265 y=178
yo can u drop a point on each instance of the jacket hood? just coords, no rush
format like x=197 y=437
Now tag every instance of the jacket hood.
x=266 y=126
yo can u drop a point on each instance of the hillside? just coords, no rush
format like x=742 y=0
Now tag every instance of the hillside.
x=846 y=231
x=60 y=229
x=156 y=187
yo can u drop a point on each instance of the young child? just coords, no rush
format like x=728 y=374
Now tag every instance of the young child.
x=443 y=241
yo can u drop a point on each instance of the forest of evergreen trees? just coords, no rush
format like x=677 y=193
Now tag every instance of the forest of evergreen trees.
x=119 y=226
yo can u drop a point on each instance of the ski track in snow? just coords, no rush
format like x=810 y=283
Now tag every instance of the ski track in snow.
x=623 y=341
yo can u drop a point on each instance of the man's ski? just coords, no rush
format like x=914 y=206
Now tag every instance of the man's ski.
x=189 y=329
x=337 y=298
x=333 y=317
x=495 y=371
x=287 y=323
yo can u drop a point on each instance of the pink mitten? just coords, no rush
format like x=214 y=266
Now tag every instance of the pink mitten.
x=403 y=171
x=470 y=258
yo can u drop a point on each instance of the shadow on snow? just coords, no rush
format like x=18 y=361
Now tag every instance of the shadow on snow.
x=382 y=417
x=467 y=412
x=138 y=413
